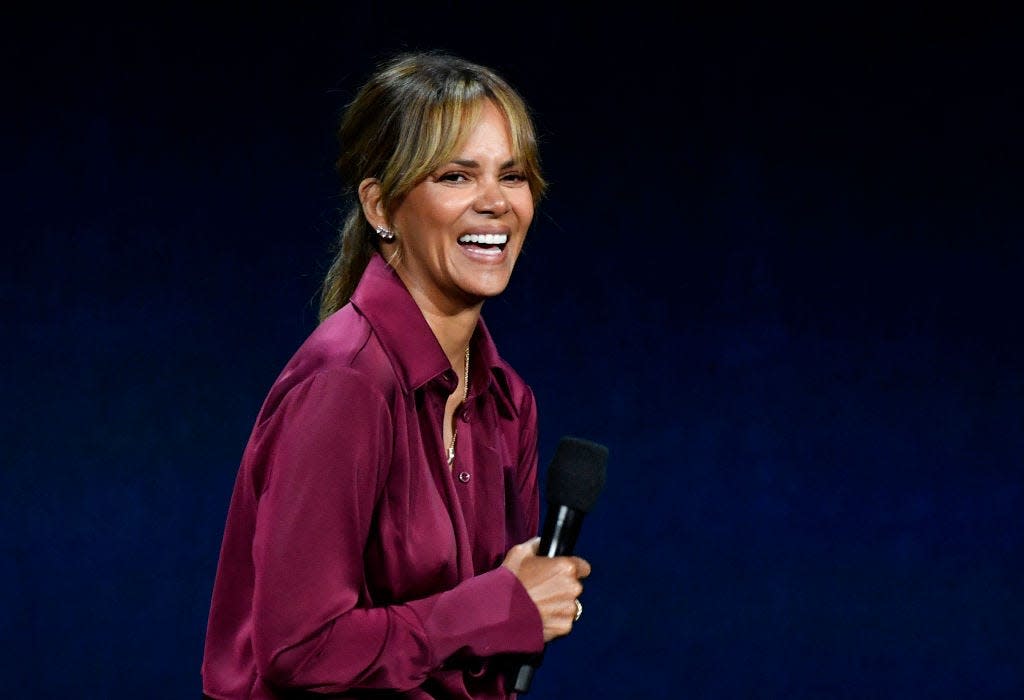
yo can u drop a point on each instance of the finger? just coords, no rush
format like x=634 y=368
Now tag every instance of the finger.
x=527 y=548
x=518 y=553
x=582 y=567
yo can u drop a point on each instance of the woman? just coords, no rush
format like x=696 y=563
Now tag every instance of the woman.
x=379 y=540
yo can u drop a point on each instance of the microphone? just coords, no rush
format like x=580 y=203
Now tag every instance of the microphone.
x=576 y=477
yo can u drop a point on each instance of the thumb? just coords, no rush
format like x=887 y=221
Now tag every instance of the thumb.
x=515 y=556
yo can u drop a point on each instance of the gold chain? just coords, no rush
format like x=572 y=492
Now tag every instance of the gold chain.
x=455 y=428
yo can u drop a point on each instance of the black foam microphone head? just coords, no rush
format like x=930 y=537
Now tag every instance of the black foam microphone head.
x=576 y=474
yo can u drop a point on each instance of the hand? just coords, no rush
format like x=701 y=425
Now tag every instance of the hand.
x=553 y=584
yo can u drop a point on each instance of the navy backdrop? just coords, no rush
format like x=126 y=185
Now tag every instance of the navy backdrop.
x=778 y=275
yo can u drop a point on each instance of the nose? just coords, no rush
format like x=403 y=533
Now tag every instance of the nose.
x=491 y=198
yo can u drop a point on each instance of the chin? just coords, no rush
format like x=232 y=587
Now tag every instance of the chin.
x=491 y=286
x=477 y=293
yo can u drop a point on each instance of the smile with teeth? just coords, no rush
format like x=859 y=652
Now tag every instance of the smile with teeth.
x=484 y=239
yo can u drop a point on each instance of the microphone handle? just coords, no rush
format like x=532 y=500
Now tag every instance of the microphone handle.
x=561 y=530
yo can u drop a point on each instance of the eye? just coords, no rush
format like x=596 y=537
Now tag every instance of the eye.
x=452 y=176
x=514 y=177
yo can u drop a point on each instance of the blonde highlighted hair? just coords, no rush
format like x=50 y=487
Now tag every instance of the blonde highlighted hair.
x=407 y=119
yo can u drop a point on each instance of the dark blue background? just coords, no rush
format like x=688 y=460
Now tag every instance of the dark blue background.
x=778 y=274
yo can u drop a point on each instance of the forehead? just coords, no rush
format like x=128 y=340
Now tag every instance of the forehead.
x=489 y=129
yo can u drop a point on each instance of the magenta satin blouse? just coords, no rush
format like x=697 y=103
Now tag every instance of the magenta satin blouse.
x=352 y=558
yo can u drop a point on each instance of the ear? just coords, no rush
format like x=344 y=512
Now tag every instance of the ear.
x=370 y=199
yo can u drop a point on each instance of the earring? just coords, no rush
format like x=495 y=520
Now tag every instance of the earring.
x=385 y=235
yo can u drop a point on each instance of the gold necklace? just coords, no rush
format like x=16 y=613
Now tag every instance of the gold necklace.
x=455 y=428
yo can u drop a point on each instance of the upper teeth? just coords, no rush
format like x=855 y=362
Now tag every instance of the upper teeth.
x=485 y=238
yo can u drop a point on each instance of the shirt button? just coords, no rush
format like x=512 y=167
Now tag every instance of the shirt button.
x=464 y=477
x=449 y=381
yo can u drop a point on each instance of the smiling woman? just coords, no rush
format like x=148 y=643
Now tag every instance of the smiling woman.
x=457 y=233
x=380 y=537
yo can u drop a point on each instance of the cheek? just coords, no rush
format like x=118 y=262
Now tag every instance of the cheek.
x=524 y=209
x=427 y=227
x=429 y=210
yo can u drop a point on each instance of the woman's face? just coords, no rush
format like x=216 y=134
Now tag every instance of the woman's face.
x=461 y=229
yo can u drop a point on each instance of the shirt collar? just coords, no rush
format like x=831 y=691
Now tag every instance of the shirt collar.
x=381 y=297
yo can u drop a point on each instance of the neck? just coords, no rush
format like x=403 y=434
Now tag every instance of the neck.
x=453 y=325
x=453 y=332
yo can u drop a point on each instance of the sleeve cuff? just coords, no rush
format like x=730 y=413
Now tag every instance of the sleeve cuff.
x=486 y=615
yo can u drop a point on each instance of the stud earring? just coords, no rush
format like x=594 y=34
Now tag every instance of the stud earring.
x=385 y=235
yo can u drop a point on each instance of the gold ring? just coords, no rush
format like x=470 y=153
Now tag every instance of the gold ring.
x=579 y=611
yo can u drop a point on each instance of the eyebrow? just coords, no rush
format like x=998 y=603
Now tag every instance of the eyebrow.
x=474 y=164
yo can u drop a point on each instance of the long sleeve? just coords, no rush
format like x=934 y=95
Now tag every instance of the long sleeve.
x=353 y=560
x=327 y=449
